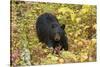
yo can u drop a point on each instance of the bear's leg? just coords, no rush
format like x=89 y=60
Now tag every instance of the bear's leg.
x=64 y=44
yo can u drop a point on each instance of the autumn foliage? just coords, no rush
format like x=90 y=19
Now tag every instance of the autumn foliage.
x=80 y=21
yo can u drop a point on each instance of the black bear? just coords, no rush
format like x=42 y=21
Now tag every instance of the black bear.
x=50 y=32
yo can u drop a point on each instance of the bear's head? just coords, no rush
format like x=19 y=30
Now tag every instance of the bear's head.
x=57 y=31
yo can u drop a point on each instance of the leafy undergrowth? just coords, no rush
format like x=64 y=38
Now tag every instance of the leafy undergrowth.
x=80 y=21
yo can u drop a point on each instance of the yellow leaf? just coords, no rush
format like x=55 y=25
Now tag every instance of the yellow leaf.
x=73 y=16
x=61 y=60
x=62 y=10
x=84 y=56
x=78 y=20
x=94 y=41
x=94 y=26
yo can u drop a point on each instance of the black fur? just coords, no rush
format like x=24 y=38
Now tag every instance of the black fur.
x=49 y=31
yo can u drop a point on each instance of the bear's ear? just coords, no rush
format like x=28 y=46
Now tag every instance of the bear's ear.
x=63 y=26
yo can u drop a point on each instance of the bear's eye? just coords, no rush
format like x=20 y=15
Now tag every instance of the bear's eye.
x=54 y=25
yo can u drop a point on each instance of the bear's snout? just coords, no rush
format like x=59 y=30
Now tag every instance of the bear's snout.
x=57 y=37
